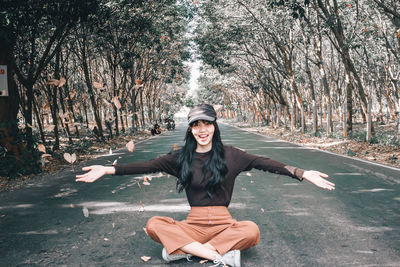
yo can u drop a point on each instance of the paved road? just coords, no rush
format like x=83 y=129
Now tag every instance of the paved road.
x=358 y=224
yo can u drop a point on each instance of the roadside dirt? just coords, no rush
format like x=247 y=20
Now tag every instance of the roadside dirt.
x=385 y=148
x=86 y=148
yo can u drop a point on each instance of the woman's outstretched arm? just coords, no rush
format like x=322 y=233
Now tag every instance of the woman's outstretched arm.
x=166 y=163
x=317 y=178
x=95 y=172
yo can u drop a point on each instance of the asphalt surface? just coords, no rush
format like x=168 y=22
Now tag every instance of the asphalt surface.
x=58 y=222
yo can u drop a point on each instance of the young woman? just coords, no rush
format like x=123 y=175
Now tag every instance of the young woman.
x=206 y=170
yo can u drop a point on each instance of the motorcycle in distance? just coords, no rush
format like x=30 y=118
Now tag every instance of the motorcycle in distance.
x=156 y=129
x=170 y=124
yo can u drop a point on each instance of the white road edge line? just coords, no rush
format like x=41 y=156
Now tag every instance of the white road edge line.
x=328 y=152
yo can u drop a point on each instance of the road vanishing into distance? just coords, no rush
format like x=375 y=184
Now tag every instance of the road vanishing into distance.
x=56 y=221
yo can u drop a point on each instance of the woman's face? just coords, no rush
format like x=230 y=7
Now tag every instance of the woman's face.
x=203 y=132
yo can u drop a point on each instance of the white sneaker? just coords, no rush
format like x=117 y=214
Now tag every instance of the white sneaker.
x=231 y=258
x=174 y=257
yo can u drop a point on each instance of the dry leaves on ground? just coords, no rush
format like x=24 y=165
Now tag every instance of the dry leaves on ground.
x=145 y=258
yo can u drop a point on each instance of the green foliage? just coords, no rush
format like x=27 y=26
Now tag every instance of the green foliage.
x=351 y=153
x=385 y=139
x=359 y=136
x=189 y=102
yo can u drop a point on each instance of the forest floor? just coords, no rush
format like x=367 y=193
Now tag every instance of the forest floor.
x=384 y=147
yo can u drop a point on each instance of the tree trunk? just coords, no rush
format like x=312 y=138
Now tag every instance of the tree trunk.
x=39 y=122
x=344 y=107
x=91 y=92
x=134 y=116
x=315 y=118
x=349 y=104
x=369 y=121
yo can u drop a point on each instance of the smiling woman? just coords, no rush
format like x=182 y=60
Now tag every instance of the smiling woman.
x=203 y=132
x=206 y=170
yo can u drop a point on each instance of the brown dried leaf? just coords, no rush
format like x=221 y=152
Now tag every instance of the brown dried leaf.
x=106 y=102
x=130 y=146
x=116 y=102
x=61 y=82
x=49 y=128
x=46 y=106
x=138 y=82
x=70 y=158
x=145 y=182
x=72 y=94
x=98 y=85
x=41 y=148
x=53 y=82
x=141 y=207
x=145 y=258
x=175 y=147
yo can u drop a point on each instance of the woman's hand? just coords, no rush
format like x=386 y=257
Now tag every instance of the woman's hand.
x=95 y=172
x=317 y=178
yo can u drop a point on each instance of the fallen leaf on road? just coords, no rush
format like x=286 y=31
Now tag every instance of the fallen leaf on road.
x=106 y=239
x=262 y=210
x=145 y=182
x=145 y=258
x=244 y=189
x=175 y=147
x=85 y=212
x=203 y=261
x=142 y=207
x=130 y=146
x=252 y=182
x=248 y=174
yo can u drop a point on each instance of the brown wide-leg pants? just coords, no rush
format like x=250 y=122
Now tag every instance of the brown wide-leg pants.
x=212 y=224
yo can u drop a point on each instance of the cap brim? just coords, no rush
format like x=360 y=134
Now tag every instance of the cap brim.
x=201 y=117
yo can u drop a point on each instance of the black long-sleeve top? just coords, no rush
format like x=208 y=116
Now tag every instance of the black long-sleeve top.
x=237 y=161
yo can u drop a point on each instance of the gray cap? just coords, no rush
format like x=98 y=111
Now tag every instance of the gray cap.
x=202 y=112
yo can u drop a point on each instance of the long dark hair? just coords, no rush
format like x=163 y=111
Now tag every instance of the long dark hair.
x=215 y=167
